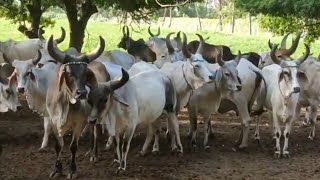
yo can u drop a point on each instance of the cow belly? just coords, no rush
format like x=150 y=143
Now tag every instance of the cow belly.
x=226 y=106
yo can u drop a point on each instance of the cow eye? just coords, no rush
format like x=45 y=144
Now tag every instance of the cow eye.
x=227 y=74
x=286 y=73
x=196 y=66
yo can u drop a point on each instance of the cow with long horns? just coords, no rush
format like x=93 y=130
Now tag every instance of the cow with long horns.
x=138 y=48
x=283 y=84
x=66 y=98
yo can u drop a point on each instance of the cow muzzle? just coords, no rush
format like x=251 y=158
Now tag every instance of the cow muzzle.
x=81 y=94
x=296 y=89
x=20 y=90
x=238 y=87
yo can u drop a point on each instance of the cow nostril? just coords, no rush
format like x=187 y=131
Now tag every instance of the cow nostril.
x=296 y=89
x=20 y=90
x=239 y=87
x=211 y=77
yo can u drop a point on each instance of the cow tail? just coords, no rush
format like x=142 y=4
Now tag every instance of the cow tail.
x=171 y=96
x=257 y=88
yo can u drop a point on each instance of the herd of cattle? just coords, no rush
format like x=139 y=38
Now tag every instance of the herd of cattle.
x=158 y=77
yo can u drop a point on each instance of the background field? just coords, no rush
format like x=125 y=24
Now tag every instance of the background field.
x=111 y=31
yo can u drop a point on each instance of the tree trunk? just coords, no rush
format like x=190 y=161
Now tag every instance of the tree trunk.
x=78 y=24
x=233 y=20
x=35 y=11
x=164 y=16
x=196 y=7
x=220 y=15
x=250 y=24
x=170 y=11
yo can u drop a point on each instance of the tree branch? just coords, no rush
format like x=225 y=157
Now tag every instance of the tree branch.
x=171 y=5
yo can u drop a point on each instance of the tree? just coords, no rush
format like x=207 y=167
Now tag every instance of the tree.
x=283 y=16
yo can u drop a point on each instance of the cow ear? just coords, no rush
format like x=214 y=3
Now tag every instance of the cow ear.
x=218 y=76
x=281 y=76
x=62 y=74
x=239 y=80
x=119 y=99
x=13 y=79
x=91 y=78
x=302 y=77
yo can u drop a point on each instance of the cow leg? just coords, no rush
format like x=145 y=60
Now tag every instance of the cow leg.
x=73 y=167
x=211 y=135
x=174 y=123
x=286 y=134
x=47 y=131
x=307 y=117
x=245 y=120
x=118 y=142
x=109 y=142
x=125 y=146
x=58 y=147
x=257 y=131
x=147 y=141
x=277 y=132
x=207 y=130
x=193 y=126
x=157 y=128
x=94 y=152
x=313 y=117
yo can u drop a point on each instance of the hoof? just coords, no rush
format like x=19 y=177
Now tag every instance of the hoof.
x=120 y=171
x=242 y=147
x=156 y=153
x=207 y=148
x=72 y=176
x=42 y=150
x=277 y=155
x=311 y=137
x=55 y=174
x=286 y=156
x=93 y=159
x=257 y=140
x=114 y=163
x=142 y=153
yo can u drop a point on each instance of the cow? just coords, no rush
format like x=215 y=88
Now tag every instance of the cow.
x=66 y=98
x=23 y=50
x=148 y=94
x=138 y=48
x=33 y=82
x=283 y=80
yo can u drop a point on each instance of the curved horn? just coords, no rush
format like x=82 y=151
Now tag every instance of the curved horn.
x=237 y=59
x=36 y=59
x=168 y=43
x=116 y=84
x=219 y=57
x=97 y=52
x=294 y=45
x=178 y=35
x=149 y=31
x=62 y=37
x=185 y=51
x=270 y=44
x=55 y=53
x=123 y=30
x=40 y=35
x=284 y=41
x=158 y=33
x=200 y=47
x=273 y=54
x=127 y=29
x=305 y=55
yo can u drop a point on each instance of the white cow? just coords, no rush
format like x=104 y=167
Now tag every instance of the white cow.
x=283 y=87
x=148 y=94
x=33 y=82
x=23 y=50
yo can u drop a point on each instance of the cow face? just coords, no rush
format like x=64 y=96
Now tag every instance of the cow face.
x=23 y=72
x=74 y=73
x=8 y=96
x=197 y=71
x=226 y=77
x=100 y=97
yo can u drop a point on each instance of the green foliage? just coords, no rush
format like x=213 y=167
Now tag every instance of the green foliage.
x=282 y=16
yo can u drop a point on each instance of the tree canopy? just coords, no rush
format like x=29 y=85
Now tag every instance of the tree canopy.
x=283 y=16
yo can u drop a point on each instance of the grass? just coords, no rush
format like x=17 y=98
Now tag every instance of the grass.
x=112 y=33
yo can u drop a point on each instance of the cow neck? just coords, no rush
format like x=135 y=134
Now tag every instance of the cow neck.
x=185 y=78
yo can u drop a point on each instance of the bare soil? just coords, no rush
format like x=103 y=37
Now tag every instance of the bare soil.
x=21 y=135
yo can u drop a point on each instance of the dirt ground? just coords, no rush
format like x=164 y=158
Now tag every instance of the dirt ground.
x=21 y=134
